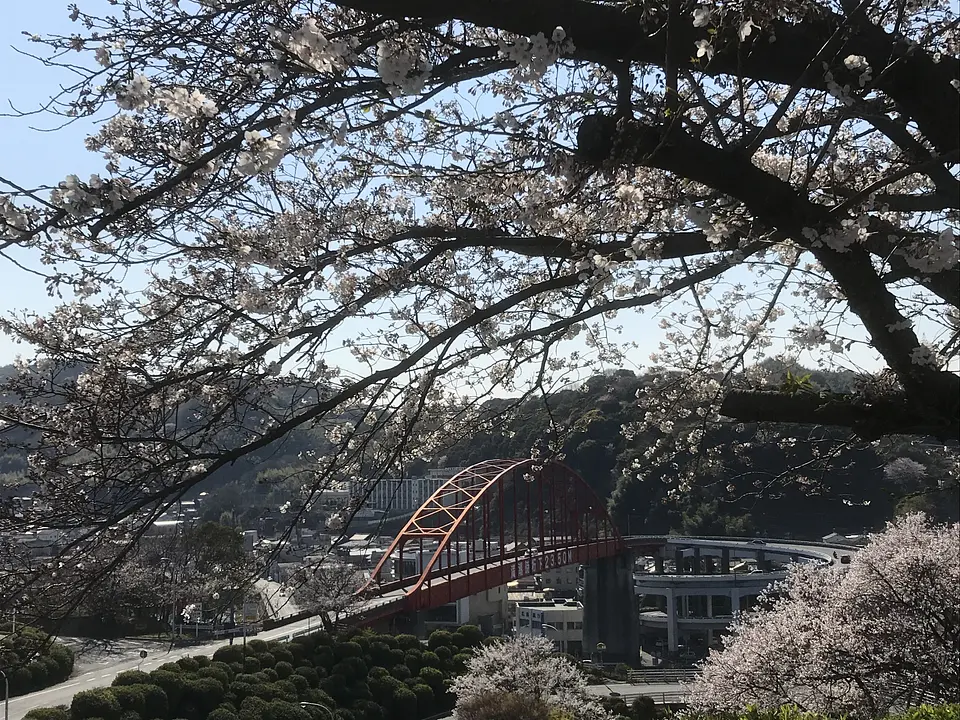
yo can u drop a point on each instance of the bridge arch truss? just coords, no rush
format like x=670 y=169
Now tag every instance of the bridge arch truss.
x=496 y=521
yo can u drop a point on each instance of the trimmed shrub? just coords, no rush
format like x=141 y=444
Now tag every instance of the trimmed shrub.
x=471 y=633
x=222 y=713
x=310 y=674
x=96 y=703
x=438 y=638
x=352 y=668
x=368 y=710
x=401 y=672
x=425 y=699
x=342 y=651
x=254 y=708
x=217 y=673
x=283 y=654
x=172 y=684
x=300 y=683
x=189 y=664
x=155 y=701
x=229 y=654
x=57 y=713
x=204 y=694
x=131 y=677
x=408 y=642
x=257 y=647
x=336 y=687
x=280 y=710
x=430 y=659
x=404 y=704
x=435 y=679
x=39 y=661
x=130 y=697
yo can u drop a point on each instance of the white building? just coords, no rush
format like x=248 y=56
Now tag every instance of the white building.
x=560 y=621
x=561 y=580
x=402 y=494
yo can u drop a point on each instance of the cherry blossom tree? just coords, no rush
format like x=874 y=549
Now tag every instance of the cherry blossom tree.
x=880 y=633
x=529 y=667
x=328 y=589
x=366 y=218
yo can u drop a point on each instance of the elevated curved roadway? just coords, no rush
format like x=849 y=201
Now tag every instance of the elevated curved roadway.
x=707 y=581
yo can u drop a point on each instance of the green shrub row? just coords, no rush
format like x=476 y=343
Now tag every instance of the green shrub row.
x=32 y=661
x=361 y=675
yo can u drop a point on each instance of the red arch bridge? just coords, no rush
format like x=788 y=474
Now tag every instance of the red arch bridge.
x=497 y=521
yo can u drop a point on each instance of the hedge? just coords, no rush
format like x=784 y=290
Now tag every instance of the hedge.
x=360 y=675
x=32 y=661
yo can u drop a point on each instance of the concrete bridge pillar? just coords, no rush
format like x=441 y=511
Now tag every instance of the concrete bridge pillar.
x=673 y=635
x=697 y=570
x=611 y=612
x=725 y=561
x=678 y=560
x=658 y=563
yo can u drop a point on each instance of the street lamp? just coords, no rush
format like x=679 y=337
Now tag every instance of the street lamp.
x=6 y=696
x=545 y=626
x=322 y=707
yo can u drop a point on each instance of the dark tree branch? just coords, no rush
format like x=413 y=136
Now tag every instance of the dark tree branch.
x=895 y=415
x=607 y=31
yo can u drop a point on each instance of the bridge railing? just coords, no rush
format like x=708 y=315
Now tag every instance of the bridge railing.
x=639 y=677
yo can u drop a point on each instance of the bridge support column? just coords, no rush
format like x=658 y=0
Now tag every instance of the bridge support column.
x=658 y=563
x=673 y=641
x=697 y=570
x=678 y=559
x=611 y=613
x=725 y=561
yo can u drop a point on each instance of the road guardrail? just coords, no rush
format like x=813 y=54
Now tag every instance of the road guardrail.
x=639 y=677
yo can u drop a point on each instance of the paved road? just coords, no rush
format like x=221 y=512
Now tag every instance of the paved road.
x=278 y=602
x=660 y=692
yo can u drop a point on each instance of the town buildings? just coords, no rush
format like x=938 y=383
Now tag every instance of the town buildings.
x=559 y=620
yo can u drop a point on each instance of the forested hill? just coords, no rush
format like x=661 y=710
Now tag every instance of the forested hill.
x=775 y=480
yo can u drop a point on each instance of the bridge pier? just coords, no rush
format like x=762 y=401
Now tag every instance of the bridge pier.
x=611 y=613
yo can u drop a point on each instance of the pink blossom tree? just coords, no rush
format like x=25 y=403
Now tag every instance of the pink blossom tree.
x=880 y=633
x=328 y=588
x=367 y=217
x=529 y=667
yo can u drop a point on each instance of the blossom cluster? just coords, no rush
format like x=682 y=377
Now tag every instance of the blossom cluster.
x=535 y=55
x=314 y=49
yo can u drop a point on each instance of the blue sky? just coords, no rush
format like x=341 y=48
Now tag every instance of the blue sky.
x=28 y=155
x=31 y=156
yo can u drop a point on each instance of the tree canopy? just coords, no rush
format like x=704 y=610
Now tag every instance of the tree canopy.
x=879 y=634
x=367 y=217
